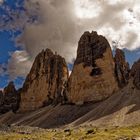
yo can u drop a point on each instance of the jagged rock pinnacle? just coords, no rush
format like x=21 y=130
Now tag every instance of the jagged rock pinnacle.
x=93 y=75
x=45 y=83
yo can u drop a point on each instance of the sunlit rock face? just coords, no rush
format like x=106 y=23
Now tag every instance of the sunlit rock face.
x=135 y=74
x=121 y=68
x=45 y=83
x=93 y=76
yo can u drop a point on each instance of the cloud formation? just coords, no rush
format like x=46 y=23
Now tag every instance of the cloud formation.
x=57 y=29
x=61 y=23
x=19 y=64
x=3 y=69
x=1 y=1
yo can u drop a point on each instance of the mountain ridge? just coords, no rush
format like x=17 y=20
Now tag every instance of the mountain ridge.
x=101 y=89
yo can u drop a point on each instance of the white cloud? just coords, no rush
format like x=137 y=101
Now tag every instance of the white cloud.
x=85 y=8
x=1 y=70
x=70 y=72
x=61 y=24
x=19 y=64
x=1 y=1
x=57 y=29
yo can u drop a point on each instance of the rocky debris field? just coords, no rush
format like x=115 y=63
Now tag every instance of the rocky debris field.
x=77 y=133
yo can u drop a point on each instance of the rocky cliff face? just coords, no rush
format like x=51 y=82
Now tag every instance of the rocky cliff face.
x=45 y=83
x=1 y=98
x=9 y=99
x=93 y=76
x=135 y=74
x=121 y=68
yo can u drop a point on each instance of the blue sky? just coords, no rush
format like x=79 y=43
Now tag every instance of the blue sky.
x=10 y=11
x=7 y=36
x=7 y=44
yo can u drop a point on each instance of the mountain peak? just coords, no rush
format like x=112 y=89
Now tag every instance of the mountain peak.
x=121 y=68
x=135 y=73
x=93 y=76
x=45 y=83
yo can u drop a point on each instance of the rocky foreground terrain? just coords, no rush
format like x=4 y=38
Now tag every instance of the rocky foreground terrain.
x=77 y=133
x=102 y=90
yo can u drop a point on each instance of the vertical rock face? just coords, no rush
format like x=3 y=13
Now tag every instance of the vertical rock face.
x=45 y=83
x=1 y=98
x=10 y=89
x=93 y=75
x=9 y=99
x=121 y=68
x=135 y=73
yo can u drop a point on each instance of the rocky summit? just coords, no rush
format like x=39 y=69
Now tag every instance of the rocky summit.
x=135 y=73
x=9 y=99
x=121 y=68
x=45 y=83
x=102 y=90
x=93 y=76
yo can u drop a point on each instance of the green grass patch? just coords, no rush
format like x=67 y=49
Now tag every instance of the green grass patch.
x=81 y=133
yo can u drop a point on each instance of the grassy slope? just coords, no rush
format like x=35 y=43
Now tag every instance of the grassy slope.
x=80 y=133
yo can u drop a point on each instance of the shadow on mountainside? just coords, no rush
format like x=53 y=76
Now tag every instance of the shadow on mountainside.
x=124 y=104
x=122 y=107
